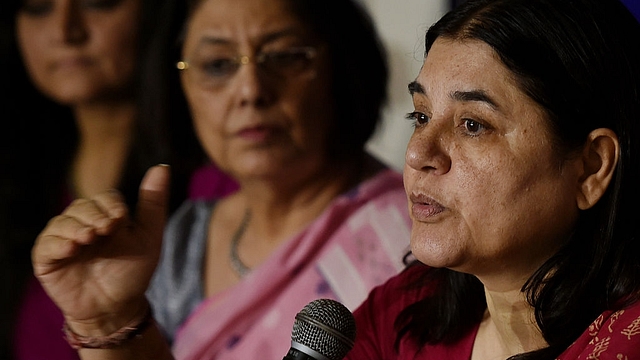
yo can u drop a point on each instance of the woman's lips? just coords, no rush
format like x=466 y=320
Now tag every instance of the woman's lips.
x=425 y=208
x=257 y=133
x=72 y=63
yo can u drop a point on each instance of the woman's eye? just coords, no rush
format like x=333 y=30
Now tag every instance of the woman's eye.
x=219 y=67
x=44 y=7
x=37 y=8
x=418 y=118
x=473 y=127
x=100 y=4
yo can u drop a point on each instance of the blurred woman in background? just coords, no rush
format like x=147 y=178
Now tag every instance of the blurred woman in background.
x=72 y=94
x=284 y=96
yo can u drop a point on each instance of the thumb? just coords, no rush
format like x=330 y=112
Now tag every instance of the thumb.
x=153 y=199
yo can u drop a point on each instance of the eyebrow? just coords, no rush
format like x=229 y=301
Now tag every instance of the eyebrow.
x=415 y=87
x=472 y=95
x=213 y=40
x=267 y=38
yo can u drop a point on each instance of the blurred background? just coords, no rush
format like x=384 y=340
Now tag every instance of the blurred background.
x=402 y=25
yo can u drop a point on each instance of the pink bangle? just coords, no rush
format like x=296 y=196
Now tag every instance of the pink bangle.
x=134 y=328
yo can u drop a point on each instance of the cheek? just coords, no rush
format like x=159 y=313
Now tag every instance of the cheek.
x=529 y=203
x=488 y=191
x=208 y=120
x=122 y=49
x=311 y=117
x=496 y=179
x=118 y=30
x=119 y=47
x=207 y=115
x=33 y=53
x=210 y=140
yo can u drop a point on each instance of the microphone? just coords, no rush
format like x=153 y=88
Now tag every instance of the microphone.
x=323 y=330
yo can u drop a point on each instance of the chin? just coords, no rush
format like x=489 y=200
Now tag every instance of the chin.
x=436 y=254
x=72 y=96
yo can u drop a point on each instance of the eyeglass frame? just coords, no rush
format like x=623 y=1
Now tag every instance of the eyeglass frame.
x=310 y=53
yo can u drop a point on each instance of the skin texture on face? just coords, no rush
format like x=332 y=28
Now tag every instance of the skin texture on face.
x=79 y=51
x=488 y=195
x=257 y=125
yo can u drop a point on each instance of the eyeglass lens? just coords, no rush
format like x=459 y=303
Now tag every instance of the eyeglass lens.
x=214 y=69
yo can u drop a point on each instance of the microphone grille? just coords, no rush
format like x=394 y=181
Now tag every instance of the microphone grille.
x=325 y=326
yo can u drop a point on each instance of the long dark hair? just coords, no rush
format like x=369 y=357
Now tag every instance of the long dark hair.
x=578 y=59
x=359 y=70
x=38 y=143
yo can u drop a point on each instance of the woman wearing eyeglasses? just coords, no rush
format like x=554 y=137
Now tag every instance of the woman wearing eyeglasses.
x=283 y=101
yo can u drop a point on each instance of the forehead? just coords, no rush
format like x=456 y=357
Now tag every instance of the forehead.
x=238 y=21
x=466 y=65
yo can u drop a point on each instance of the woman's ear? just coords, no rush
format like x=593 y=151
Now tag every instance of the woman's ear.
x=600 y=157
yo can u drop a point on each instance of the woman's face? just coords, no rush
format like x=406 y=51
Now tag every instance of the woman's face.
x=258 y=85
x=488 y=195
x=79 y=50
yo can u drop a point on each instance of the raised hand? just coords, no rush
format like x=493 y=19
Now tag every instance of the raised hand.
x=95 y=260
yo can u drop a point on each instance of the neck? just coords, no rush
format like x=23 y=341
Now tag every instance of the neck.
x=508 y=327
x=105 y=134
x=279 y=211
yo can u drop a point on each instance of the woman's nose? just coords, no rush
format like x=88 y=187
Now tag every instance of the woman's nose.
x=252 y=86
x=68 y=23
x=427 y=149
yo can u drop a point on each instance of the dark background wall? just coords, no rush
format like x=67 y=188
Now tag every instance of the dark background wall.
x=633 y=5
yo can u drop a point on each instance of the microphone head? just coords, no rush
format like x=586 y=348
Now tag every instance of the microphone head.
x=325 y=326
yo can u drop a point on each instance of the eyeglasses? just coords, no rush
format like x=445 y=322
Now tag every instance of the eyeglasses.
x=213 y=71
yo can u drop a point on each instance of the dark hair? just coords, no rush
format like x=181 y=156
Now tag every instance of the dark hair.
x=578 y=59
x=38 y=142
x=165 y=108
x=360 y=75
x=358 y=62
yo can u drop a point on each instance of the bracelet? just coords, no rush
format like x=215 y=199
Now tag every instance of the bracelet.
x=134 y=328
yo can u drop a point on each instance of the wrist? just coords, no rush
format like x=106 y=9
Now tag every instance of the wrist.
x=106 y=334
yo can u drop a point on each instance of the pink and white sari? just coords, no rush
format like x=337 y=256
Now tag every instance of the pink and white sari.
x=356 y=244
